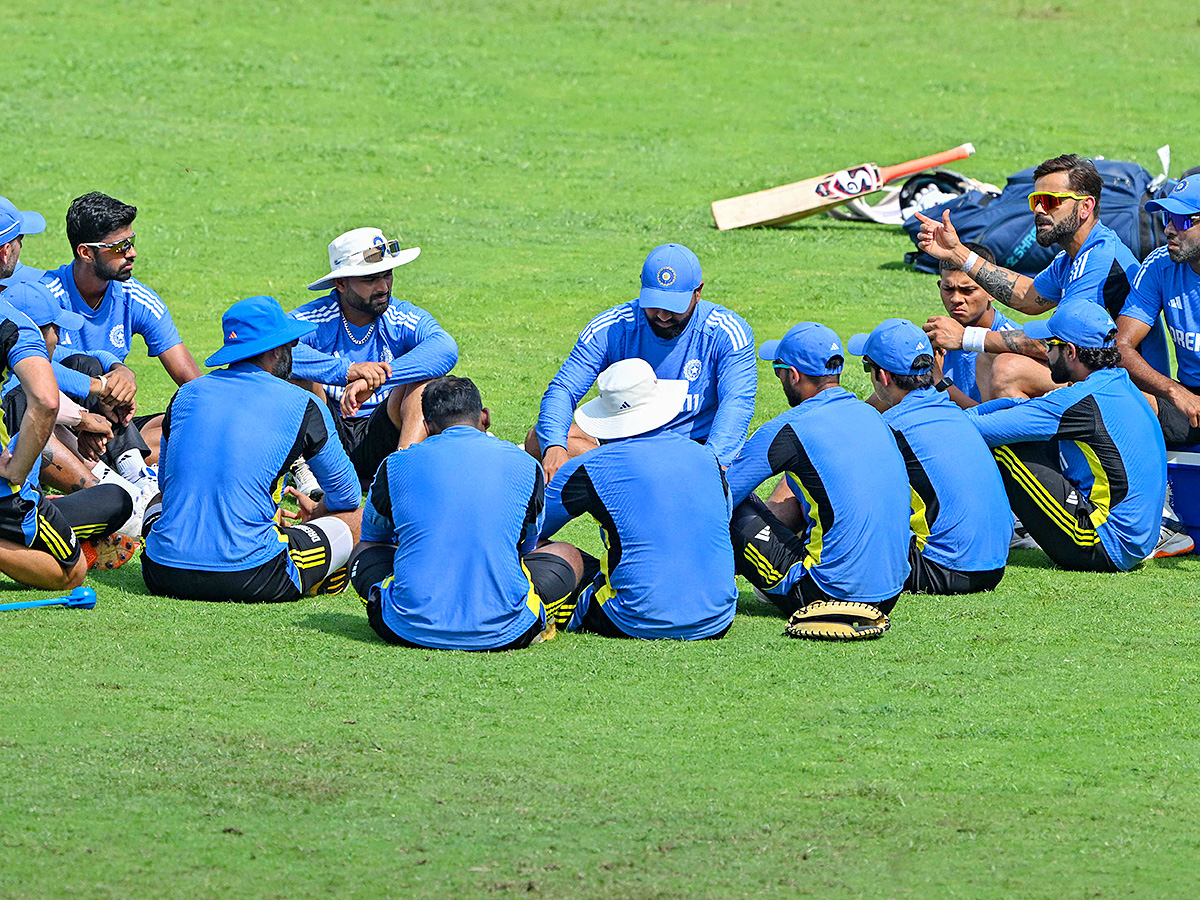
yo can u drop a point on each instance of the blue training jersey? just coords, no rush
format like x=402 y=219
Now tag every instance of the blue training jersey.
x=714 y=353
x=228 y=439
x=1172 y=290
x=19 y=339
x=404 y=336
x=1101 y=272
x=461 y=508
x=960 y=514
x=844 y=467
x=127 y=308
x=22 y=273
x=663 y=509
x=1110 y=447
x=959 y=365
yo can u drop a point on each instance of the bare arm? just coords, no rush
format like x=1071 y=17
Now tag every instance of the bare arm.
x=1014 y=342
x=41 y=394
x=940 y=240
x=179 y=364
x=1130 y=333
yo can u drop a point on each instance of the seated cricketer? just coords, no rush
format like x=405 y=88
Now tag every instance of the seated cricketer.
x=39 y=538
x=961 y=523
x=663 y=508
x=682 y=337
x=842 y=531
x=228 y=439
x=447 y=557
x=1085 y=467
x=370 y=355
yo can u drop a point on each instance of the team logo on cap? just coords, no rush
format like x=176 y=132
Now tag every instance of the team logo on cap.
x=691 y=371
x=666 y=276
x=1182 y=186
x=117 y=336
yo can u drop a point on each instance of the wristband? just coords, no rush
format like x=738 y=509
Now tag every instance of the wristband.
x=103 y=383
x=973 y=338
x=972 y=258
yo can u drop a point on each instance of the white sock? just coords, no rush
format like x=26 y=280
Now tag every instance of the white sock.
x=130 y=465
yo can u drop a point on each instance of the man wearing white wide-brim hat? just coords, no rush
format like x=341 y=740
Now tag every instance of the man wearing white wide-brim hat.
x=370 y=355
x=663 y=508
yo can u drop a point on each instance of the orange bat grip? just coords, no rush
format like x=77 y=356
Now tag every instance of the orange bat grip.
x=889 y=173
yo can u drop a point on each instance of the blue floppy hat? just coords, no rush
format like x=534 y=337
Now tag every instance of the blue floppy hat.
x=253 y=326
x=1079 y=322
x=35 y=300
x=807 y=347
x=14 y=222
x=670 y=275
x=893 y=345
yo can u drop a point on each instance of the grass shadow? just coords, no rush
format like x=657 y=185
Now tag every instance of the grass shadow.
x=354 y=628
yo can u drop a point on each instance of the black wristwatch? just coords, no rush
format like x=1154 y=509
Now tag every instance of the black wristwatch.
x=944 y=385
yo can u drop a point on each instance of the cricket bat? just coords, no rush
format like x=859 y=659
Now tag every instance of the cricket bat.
x=790 y=202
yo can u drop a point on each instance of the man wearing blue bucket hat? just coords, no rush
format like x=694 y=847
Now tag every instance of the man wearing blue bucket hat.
x=961 y=524
x=228 y=439
x=1168 y=284
x=1084 y=467
x=683 y=338
x=843 y=533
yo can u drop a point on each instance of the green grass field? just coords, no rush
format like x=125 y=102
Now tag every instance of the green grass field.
x=1038 y=742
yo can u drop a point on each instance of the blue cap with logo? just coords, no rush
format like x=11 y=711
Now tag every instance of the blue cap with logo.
x=1184 y=200
x=1078 y=322
x=35 y=300
x=670 y=274
x=253 y=326
x=894 y=345
x=14 y=222
x=807 y=347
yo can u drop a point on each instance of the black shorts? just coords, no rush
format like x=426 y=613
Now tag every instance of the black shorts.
x=552 y=576
x=928 y=577
x=39 y=525
x=271 y=582
x=766 y=563
x=1056 y=513
x=1177 y=430
x=368 y=439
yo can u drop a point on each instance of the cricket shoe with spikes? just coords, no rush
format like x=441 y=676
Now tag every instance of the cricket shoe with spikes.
x=110 y=552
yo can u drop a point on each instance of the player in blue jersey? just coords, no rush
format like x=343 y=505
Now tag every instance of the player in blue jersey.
x=662 y=505
x=1093 y=266
x=961 y=524
x=968 y=306
x=1084 y=466
x=840 y=529
x=98 y=284
x=228 y=440
x=370 y=355
x=15 y=224
x=683 y=338
x=447 y=555
x=39 y=538
x=1168 y=284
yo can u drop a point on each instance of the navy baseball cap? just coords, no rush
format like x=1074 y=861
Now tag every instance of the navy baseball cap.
x=14 y=222
x=807 y=347
x=670 y=274
x=1079 y=322
x=253 y=326
x=35 y=300
x=1184 y=200
x=893 y=345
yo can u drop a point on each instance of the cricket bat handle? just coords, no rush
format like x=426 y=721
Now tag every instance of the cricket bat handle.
x=891 y=173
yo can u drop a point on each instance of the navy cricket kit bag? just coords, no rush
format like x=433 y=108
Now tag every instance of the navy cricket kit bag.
x=1004 y=223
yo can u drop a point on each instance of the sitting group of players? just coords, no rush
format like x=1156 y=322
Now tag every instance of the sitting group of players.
x=972 y=419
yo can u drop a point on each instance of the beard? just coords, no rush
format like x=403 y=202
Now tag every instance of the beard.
x=1057 y=233
x=372 y=304
x=667 y=332
x=1059 y=371
x=283 y=365
x=109 y=273
x=792 y=394
x=1185 y=254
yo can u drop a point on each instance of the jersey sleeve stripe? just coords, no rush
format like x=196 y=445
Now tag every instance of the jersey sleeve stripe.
x=605 y=319
x=149 y=301
x=734 y=329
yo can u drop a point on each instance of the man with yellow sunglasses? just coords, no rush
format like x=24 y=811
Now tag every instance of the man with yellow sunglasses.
x=1094 y=265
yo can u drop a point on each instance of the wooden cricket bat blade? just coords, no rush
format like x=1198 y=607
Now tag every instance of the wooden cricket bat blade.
x=789 y=202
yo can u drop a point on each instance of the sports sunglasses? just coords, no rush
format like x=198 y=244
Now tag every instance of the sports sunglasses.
x=119 y=247
x=375 y=253
x=1051 y=200
x=1177 y=221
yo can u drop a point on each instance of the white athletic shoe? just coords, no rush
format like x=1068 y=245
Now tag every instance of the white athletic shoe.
x=1173 y=540
x=1022 y=539
x=305 y=481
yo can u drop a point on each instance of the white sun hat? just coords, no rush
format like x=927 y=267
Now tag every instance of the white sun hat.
x=633 y=400
x=349 y=252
